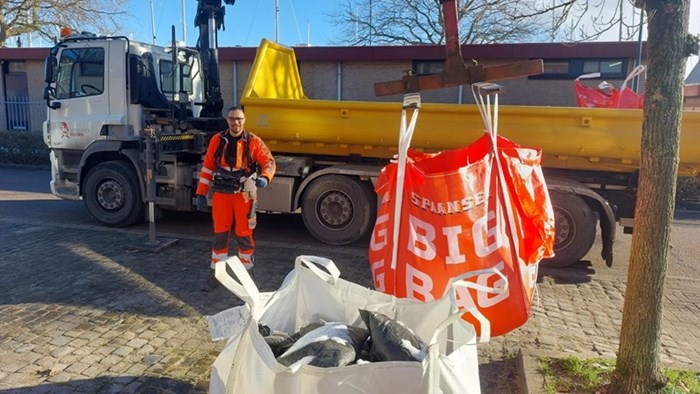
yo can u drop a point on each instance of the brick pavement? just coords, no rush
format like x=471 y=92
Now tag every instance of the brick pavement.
x=82 y=311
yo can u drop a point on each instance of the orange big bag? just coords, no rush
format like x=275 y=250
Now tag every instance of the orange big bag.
x=482 y=209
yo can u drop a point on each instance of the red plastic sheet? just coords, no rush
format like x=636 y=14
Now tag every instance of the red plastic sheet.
x=608 y=96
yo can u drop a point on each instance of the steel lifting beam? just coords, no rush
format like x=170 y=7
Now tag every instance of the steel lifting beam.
x=456 y=71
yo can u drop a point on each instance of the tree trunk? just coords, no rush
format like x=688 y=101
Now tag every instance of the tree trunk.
x=638 y=369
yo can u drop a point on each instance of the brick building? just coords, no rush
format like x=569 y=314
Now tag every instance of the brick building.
x=692 y=89
x=349 y=73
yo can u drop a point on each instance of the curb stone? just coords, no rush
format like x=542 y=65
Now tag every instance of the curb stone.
x=531 y=380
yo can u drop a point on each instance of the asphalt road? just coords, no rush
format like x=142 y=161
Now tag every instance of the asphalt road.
x=25 y=194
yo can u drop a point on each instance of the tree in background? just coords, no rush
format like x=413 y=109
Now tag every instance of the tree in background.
x=669 y=45
x=413 y=22
x=46 y=17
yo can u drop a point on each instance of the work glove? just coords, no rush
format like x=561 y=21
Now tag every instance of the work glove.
x=261 y=182
x=202 y=205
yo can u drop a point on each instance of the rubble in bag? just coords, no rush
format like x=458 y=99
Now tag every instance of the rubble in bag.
x=306 y=329
x=391 y=340
x=330 y=345
x=263 y=329
x=280 y=341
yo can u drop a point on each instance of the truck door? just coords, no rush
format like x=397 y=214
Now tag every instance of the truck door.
x=80 y=103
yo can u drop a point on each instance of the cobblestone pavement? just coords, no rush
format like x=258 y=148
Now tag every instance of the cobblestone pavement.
x=82 y=311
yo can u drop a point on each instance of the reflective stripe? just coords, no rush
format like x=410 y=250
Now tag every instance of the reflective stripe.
x=239 y=153
x=207 y=171
x=219 y=256
x=204 y=181
x=246 y=259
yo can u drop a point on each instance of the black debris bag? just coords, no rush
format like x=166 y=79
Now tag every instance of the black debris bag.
x=330 y=345
x=391 y=340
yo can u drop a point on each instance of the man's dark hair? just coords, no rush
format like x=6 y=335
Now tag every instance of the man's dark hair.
x=236 y=107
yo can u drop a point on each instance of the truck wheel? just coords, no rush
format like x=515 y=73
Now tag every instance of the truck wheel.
x=338 y=210
x=575 y=229
x=111 y=194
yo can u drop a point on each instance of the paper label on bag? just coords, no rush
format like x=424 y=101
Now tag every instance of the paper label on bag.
x=228 y=323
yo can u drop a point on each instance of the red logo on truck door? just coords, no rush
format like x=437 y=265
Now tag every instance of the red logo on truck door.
x=65 y=132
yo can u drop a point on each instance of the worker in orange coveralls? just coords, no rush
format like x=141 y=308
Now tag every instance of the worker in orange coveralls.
x=233 y=156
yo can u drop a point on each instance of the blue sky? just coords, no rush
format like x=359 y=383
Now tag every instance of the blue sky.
x=246 y=22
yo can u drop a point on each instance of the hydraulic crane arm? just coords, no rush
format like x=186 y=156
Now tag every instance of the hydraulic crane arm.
x=209 y=19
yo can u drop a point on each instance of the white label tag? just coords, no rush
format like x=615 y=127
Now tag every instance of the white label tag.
x=228 y=323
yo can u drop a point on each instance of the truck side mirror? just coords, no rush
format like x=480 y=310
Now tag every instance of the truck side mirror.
x=49 y=93
x=49 y=67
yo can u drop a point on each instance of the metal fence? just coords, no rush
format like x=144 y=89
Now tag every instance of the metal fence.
x=20 y=114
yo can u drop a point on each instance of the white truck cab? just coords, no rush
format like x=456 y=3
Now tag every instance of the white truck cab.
x=104 y=95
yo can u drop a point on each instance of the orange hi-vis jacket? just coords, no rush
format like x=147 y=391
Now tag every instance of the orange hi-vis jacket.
x=258 y=152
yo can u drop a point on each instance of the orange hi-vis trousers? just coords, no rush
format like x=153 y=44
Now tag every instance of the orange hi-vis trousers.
x=228 y=210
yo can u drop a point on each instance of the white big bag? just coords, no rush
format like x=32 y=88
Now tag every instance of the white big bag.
x=313 y=292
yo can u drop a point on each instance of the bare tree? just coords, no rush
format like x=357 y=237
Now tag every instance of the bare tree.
x=669 y=45
x=46 y=17
x=414 y=22
x=411 y=22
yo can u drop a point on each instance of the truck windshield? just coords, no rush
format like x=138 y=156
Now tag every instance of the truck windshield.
x=80 y=73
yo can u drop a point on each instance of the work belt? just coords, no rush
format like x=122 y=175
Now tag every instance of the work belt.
x=227 y=182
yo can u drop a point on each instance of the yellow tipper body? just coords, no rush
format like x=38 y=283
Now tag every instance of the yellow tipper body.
x=570 y=137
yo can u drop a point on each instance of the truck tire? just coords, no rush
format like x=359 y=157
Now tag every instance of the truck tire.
x=338 y=210
x=111 y=194
x=575 y=226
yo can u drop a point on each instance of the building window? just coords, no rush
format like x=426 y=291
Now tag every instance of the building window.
x=604 y=67
x=572 y=68
x=16 y=95
x=556 y=67
x=426 y=67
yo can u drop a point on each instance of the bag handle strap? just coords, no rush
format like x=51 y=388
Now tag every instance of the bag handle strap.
x=635 y=72
x=463 y=282
x=490 y=119
x=457 y=313
x=410 y=101
x=244 y=287
x=588 y=76
x=331 y=273
x=491 y=123
x=456 y=318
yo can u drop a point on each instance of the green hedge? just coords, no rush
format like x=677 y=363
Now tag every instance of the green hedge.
x=23 y=148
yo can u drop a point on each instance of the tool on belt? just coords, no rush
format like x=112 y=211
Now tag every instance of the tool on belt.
x=250 y=192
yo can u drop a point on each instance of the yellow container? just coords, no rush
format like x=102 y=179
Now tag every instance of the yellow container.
x=570 y=137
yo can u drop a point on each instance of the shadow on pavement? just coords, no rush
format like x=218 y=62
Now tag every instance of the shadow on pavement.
x=118 y=384
x=500 y=376
x=579 y=272
x=45 y=265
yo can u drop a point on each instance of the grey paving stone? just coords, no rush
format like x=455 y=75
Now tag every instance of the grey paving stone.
x=135 y=321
